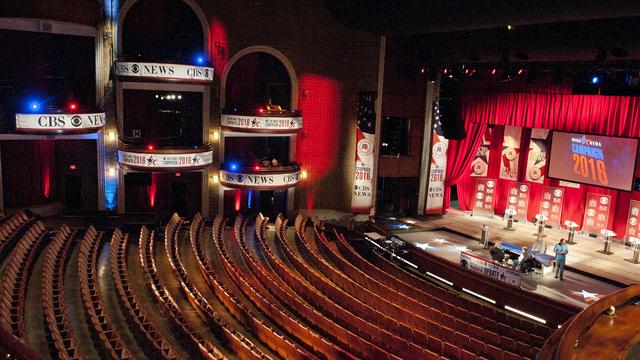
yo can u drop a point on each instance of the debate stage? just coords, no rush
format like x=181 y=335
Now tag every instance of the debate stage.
x=588 y=275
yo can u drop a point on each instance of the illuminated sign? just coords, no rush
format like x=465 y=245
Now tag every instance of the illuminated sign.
x=164 y=71
x=266 y=181
x=59 y=122
x=261 y=123
x=165 y=161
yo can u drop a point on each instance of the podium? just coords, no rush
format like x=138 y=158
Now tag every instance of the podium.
x=572 y=226
x=608 y=234
x=540 y=218
x=510 y=212
x=635 y=245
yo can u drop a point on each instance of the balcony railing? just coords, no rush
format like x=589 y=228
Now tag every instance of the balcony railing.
x=258 y=177
x=162 y=70
x=151 y=158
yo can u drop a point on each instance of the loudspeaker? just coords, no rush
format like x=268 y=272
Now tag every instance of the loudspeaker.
x=449 y=105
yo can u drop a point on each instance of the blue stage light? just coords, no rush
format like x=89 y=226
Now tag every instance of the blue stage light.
x=233 y=166
x=595 y=79
x=199 y=60
x=33 y=106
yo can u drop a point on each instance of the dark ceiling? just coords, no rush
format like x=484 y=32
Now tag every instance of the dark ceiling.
x=398 y=17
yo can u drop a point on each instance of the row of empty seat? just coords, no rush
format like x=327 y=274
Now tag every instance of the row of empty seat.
x=59 y=330
x=130 y=302
x=204 y=347
x=301 y=292
x=13 y=286
x=101 y=325
x=11 y=229
x=445 y=318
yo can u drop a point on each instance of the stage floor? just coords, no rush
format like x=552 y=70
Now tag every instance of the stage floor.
x=576 y=289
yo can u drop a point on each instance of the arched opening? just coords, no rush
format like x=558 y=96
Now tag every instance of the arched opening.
x=256 y=79
x=162 y=30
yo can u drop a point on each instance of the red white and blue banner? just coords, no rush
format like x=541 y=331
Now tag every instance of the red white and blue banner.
x=480 y=164
x=596 y=214
x=163 y=71
x=537 y=159
x=551 y=204
x=490 y=269
x=518 y=199
x=633 y=220
x=261 y=123
x=510 y=153
x=484 y=196
x=156 y=161
x=437 y=172
x=362 y=193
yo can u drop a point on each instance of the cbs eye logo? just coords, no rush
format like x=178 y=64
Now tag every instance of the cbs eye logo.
x=76 y=121
x=135 y=68
x=239 y=178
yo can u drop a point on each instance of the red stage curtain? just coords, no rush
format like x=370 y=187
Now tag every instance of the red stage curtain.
x=465 y=151
x=606 y=115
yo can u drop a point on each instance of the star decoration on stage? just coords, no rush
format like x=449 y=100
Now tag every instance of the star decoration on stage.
x=460 y=248
x=424 y=246
x=441 y=241
x=587 y=296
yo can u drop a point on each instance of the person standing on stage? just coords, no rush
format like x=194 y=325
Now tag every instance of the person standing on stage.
x=561 y=249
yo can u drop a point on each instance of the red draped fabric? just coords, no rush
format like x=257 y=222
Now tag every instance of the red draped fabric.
x=465 y=150
x=605 y=115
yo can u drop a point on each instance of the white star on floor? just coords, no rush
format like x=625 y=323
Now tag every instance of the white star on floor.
x=403 y=227
x=587 y=295
x=460 y=248
x=424 y=246
x=440 y=241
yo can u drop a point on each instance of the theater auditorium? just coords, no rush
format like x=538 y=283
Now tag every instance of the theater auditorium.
x=319 y=179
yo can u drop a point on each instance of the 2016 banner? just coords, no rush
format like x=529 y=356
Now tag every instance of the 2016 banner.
x=596 y=214
x=537 y=159
x=435 y=189
x=551 y=204
x=633 y=223
x=362 y=194
x=485 y=192
x=480 y=164
x=510 y=153
x=518 y=199
x=490 y=269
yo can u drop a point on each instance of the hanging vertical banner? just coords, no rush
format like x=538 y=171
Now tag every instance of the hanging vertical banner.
x=485 y=192
x=510 y=153
x=480 y=164
x=435 y=189
x=362 y=194
x=551 y=204
x=518 y=199
x=596 y=213
x=633 y=220
x=537 y=159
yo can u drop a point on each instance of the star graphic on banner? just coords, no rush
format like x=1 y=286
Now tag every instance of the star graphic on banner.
x=195 y=159
x=441 y=241
x=424 y=246
x=588 y=296
x=151 y=160
x=254 y=123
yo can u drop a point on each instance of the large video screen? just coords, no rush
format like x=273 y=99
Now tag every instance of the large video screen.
x=595 y=160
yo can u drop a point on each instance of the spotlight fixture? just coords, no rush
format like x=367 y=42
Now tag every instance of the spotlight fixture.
x=595 y=79
x=150 y=147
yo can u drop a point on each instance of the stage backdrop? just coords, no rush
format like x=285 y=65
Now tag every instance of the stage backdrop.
x=605 y=115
